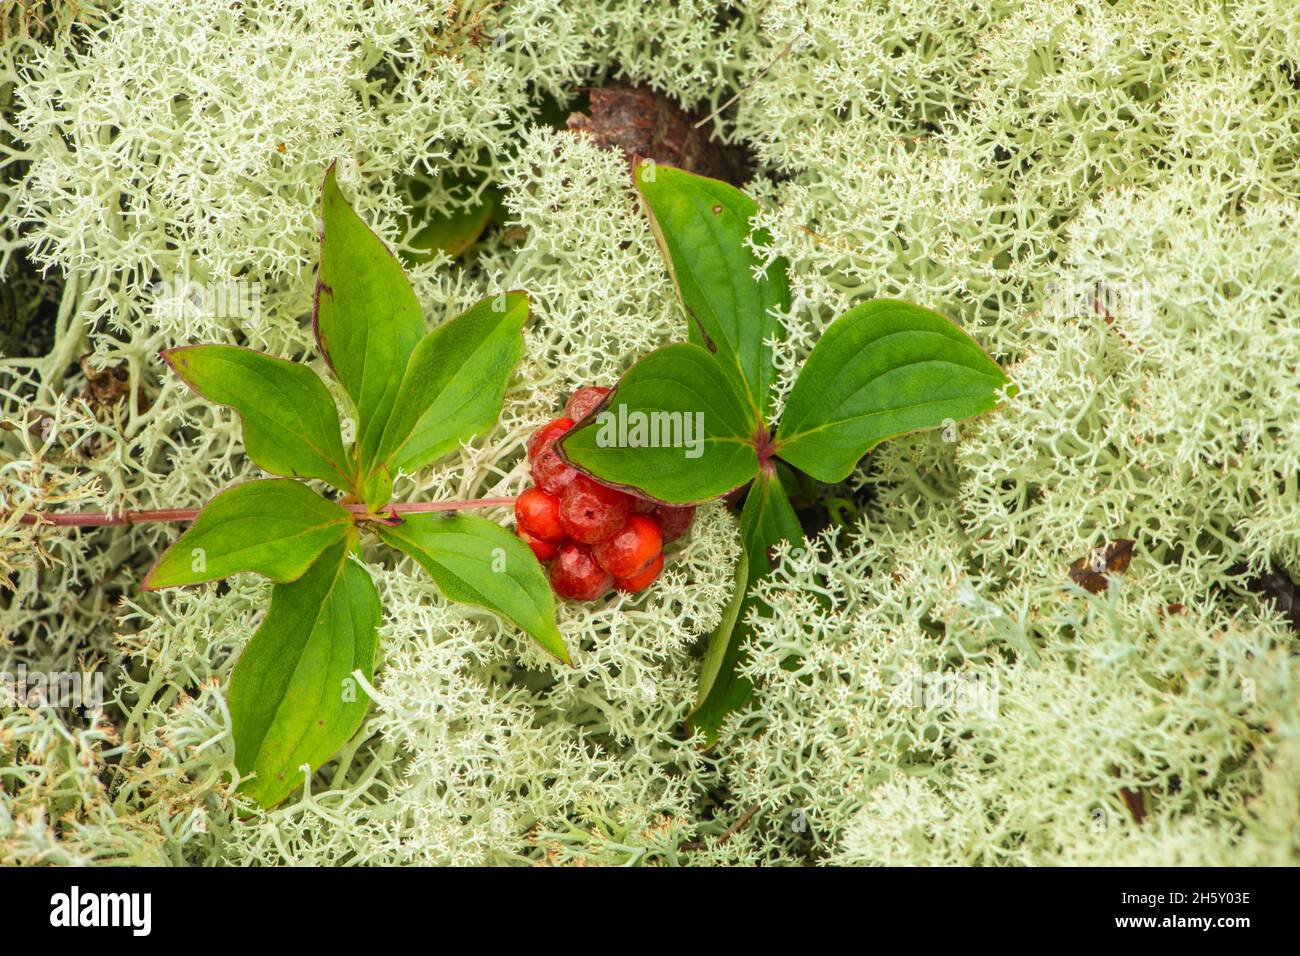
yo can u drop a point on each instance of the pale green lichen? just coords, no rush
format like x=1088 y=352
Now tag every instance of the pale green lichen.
x=1104 y=194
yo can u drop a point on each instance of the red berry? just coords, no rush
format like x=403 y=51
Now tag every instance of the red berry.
x=548 y=432
x=674 y=520
x=642 y=580
x=576 y=575
x=539 y=514
x=592 y=512
x=550 y=473
x=583 y=400
x=545 y=550
x=629 y=552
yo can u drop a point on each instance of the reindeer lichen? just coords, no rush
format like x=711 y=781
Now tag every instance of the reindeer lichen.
x=1105 y=195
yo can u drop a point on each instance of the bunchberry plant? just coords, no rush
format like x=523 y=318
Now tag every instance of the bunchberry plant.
x=416 y=396
x=601 y=509
x=882 y=369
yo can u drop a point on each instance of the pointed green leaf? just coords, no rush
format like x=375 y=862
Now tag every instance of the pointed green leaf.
x=882 y=369
x=767 y=519
x=672 y=428
x=290 y=423
x=702 y=225
x=721 y=689
x=455 y=382
x=293 y=699
x=275 y=527
x=474 y=561
x=366 y=316
x=730 y=691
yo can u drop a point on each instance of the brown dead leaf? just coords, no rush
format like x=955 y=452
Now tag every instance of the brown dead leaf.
x=105 y=387
x=109 y=387
x=646 y=124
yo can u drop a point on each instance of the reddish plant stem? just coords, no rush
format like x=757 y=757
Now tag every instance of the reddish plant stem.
x=96 y=519
x=766 y=449
x=419 y=507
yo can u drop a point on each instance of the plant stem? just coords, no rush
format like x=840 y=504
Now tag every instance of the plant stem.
x=95 y=519
x=419 y=507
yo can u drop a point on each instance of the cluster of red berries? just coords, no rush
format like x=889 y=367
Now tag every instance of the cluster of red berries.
x=594 y=536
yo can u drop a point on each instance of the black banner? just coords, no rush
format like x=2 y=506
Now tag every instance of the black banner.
x=1166 y=906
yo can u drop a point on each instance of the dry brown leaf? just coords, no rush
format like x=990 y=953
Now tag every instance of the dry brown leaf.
x=646 y=124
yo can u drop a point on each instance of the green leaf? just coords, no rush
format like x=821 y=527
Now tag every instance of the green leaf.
x=673 y=428
x=450 y=232
x=882 y=369
x=293 y=700
x=275 y=527
x=453 y=232
x=474 y=561
x=366 y=317
x=455 y=382
x=378 y=488
x=702 y=225
x=721 y=689
x=290 y=423
x=766 y=520
x=729 y=691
